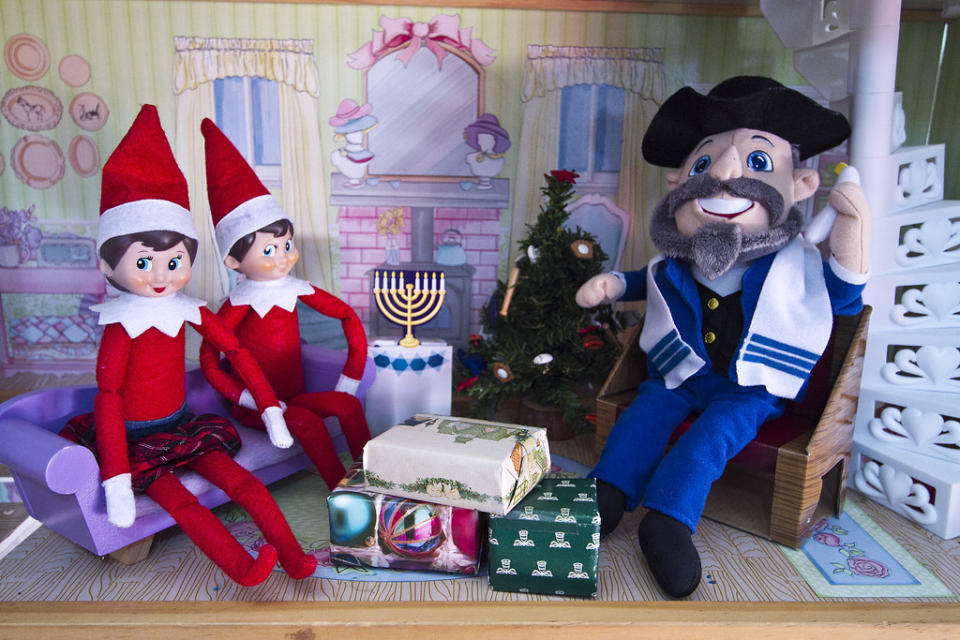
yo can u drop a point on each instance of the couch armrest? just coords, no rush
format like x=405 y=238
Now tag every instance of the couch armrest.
x=322 y=368
x=47 y=458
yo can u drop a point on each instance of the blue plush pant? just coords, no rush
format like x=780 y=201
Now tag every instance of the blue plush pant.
x=677 y=483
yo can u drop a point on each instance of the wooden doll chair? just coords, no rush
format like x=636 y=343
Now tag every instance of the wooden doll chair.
x=795 y=471
x=59 y=480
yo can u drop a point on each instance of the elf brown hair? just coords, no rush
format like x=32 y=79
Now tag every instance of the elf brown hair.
x=278 y=228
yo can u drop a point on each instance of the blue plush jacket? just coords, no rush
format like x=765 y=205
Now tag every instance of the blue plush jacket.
x=676 y=282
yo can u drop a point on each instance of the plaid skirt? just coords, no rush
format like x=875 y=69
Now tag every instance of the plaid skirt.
x=157 y=453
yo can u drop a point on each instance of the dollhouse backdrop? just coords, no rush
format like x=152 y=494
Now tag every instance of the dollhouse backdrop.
x=397 y=137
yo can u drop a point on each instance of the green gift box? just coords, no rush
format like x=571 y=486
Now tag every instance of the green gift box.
x=550 y=542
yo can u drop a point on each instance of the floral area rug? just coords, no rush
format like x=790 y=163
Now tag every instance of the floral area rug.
x=850 y=556
x=303 y=499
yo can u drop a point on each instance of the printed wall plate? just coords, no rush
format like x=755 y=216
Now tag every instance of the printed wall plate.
x=37 y=161
x=31 y=108
x=84 y=156
x=89 y=111
x=74 y=70
x=26 y=56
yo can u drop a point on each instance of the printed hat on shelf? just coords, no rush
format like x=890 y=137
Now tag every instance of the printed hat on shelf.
x=352 y=117
x=239 y=203
x=142 y=188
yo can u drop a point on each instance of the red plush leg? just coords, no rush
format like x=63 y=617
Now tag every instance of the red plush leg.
x=308 y=429
x=210 y=535
x=346 y=408
x=251 y=494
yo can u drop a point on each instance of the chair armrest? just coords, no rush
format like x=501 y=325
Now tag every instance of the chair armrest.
x=322 y=368
x=835 y=428
x=47 y=458
x=630 y=369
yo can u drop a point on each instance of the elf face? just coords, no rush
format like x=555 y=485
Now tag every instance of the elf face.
x=270 y=257
x=145 y=271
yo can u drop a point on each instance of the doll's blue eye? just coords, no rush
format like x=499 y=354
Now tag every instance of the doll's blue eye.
x=269 y=250
x=174 y=263
x=759 y=161
x=144 y=264
x=700 y=165
x=288 y=246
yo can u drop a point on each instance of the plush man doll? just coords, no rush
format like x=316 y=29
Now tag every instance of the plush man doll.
x=739 y=304
x=141 y=428
x=255 y=237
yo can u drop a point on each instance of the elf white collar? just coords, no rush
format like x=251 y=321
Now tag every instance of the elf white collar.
x=263 y=295
x=139 y=313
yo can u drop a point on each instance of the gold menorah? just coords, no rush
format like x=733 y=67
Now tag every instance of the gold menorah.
x=409 y=304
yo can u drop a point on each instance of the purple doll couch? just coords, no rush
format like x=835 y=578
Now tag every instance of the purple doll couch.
x=60 y=480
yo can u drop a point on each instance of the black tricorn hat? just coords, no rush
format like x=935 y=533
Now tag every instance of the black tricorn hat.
x=742 y=102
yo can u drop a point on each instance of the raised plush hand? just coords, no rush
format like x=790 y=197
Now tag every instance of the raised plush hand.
x=277 y=427
x=850 y=237
x=600 y=289
x=121 y=509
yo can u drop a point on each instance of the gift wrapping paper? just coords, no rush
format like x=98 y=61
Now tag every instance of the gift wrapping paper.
x=462 y=462
x=377 y=530
x=550 y=543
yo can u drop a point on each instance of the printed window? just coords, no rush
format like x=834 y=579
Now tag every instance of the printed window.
x=248 y=113
x=591 y=118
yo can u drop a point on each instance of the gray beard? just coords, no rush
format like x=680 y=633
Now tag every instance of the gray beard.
x=717 y=246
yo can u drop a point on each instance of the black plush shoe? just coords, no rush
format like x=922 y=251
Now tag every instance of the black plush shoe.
x=611 y=503
x=668 y=547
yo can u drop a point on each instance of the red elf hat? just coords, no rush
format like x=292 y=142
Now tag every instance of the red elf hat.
x=142 y=188
x=239 y=203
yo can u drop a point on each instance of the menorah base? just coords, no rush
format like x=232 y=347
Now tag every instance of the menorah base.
x=409 y=342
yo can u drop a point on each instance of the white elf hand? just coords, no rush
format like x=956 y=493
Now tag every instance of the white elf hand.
x=121 y=509
x=277 y=427
x=347 y=385
x=247 y=402
x=600 y=289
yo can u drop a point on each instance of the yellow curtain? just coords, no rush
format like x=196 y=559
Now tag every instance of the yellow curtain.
x=639 y=71
x=304 y=198
x=290 y=63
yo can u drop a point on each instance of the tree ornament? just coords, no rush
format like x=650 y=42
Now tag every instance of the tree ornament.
x=502 y=372
x=543 y=360
x=583 y=249
x=592 y=342
x=508 y=296
x=533 y=253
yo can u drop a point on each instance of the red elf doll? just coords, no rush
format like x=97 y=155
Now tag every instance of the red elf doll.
x=255 y=238
x=141 y=428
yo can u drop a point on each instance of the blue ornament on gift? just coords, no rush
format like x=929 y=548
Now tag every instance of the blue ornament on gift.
x=410 y=529
x=352 y=518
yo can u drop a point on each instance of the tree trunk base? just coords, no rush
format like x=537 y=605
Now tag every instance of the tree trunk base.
x=535 y=414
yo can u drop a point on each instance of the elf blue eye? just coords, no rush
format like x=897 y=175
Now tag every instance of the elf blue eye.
x=174 y=263
x=700 y=165
x=289 y=246
x=759 y=161
x=144 y=264
x=269 y=250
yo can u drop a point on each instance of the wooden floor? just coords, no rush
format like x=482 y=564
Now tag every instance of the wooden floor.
x=50 y=588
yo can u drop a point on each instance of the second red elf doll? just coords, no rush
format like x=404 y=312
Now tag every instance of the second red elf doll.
x=255 y=238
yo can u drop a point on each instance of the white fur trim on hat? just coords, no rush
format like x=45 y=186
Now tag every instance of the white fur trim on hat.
x=144 y=215
x=248 y=217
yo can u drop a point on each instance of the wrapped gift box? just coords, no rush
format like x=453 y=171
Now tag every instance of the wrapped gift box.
x=550 y=542
x=475 y=464
x=377 y=530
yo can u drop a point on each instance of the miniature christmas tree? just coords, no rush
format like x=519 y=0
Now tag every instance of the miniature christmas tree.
x=538 y=344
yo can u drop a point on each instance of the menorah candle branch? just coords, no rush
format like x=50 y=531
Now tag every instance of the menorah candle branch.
x=409 y=304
